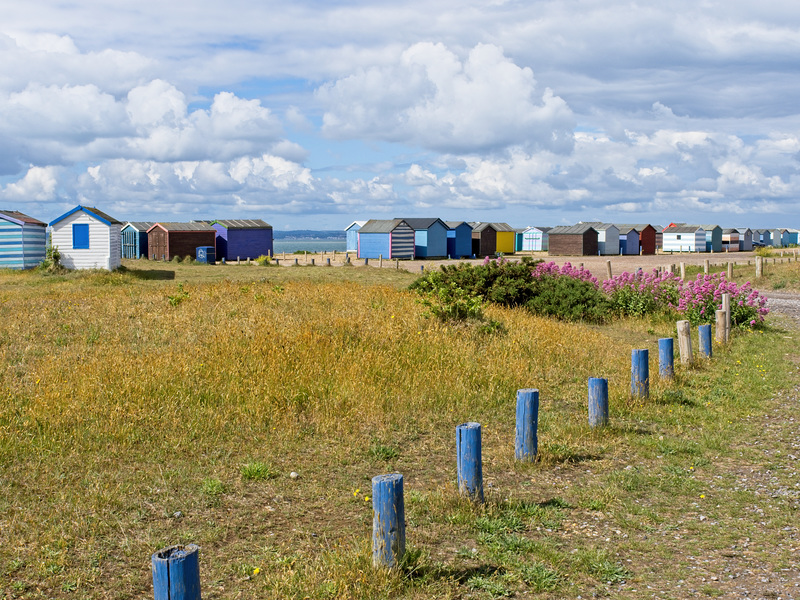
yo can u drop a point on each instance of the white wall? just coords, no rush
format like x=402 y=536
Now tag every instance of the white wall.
x=104 y=243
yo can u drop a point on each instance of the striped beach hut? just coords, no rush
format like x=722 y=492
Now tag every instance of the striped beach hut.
x=242 y=238
x=535 y=239
x=684 y=238
x=166 y=241
x=352 y=235
x=730 y=239
x=87 y=238
x=390 y=238
x=134 y=239
x=23 y=240
x=459 y=239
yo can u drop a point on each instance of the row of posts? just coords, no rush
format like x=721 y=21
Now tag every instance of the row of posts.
x=176 y=574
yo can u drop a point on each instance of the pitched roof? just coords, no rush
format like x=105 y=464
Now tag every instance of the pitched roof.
x=710 y=227
x=495 y=226
x=579 y=229
x=15 y=215
x=423 y=223
x=90 y=210
x=359 y=223
x=139 y=225
x=599 y=226
x=637 y=226
x=242 y=223
x=683 y=229
x=455 y=224
x=176 y=226
x=381 y=225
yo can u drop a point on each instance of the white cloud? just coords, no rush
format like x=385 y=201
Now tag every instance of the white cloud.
x=38 y=185
x=431 y=98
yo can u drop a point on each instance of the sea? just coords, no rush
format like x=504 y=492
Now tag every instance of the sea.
x=311 y=245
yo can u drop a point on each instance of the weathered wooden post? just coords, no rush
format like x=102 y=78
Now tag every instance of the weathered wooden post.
x=704 y=338
x=640 y=373
x=295 y=261
x=469 y=461
x=759 y=267
x=313 y=262
x=608 y=270
x=726 y=306
x=176 y=573
x=719 y=322
x=388 y=521
x=705 y=266
x=238 y=260
x=366 y=261
x=305 y=256
x=683 y=270
x=666 y=358
x=380 y=261
x=730 y=271
x=685 y=342
x=329 y=262
x=347 y=259
x=598 y=402
x=397 y=263
x=277 y=262
x=526 y=444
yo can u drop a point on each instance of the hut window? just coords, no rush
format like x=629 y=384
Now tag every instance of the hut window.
x=678 y=236
x=80 y=236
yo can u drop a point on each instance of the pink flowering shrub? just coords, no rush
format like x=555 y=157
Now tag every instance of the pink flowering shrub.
x=697 y=300
x=551 y=269
x=700 y=298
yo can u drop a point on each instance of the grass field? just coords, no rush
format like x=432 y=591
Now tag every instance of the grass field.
x=169 y=403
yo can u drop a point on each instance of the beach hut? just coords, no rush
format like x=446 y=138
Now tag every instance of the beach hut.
x=607 y=237
x=745 y=239
x=242 y=238
x=484 y=239
x=574 y=240
x=535 y=239
x=628 y=240
x=430 y=237
x=23 y=240
x=730 y=239
x=166 y=241
x=659 y=237
x=776 y=236
x=390 y=238
x=713 y=238
x=762 y=236
x=792 y=237
x=684 y=238
x=506 y=238
x=648 y=237
x=459 y=239
x=352 y=235
x=134 y=238
x=87 y=238
x=518 y=239
x=785 y=237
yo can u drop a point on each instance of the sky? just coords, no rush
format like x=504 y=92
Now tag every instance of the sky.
x=312 y=114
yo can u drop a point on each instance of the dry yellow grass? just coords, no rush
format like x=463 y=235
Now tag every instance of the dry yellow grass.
x=121 y=405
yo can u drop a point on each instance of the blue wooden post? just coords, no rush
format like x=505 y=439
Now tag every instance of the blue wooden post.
x=329 y=262
x=468 y=456
x=527 y=439
x=366 y=261
x=640 y=373
x=666 y=358
x=704 y=333
x=176 y=573
x=388 y=521
x=598 y=401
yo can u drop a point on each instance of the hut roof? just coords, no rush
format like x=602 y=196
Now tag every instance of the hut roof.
x=730 y=230
x=637 y=226
x=242 y=223
x=139 y=225
x=495 y=226
x=359 y=223
x=15 y=215
x=381 y=225
x=710 y=227
x=599 y=226
x=454 y=224
x=578 y=229
x=683 y=229
x=423 y=223
x=183 y=227
x=97 y=214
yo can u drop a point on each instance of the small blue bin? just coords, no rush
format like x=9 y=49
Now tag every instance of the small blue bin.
x=206 y=254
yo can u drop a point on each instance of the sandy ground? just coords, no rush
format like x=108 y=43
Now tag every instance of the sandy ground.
x=596 y=264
